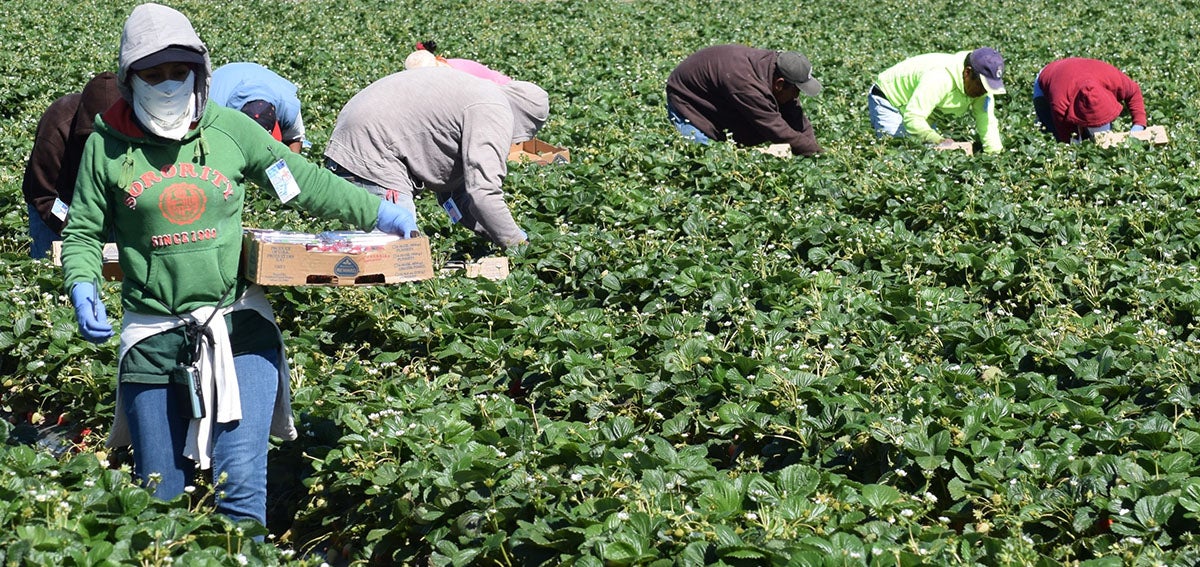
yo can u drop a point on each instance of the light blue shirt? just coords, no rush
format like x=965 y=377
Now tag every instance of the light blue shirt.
x=235 y=84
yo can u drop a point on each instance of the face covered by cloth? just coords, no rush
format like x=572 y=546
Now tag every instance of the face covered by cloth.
x=165 y=109
x=153 y=35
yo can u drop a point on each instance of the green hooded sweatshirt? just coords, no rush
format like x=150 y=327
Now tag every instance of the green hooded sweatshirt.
x=175 y=206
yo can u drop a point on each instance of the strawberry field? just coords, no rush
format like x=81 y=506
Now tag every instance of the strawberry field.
x=884 y=355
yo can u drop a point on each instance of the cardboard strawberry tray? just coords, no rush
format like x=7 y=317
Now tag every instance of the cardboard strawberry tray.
x=272 y=257
x=110 y=269
x=539 y=152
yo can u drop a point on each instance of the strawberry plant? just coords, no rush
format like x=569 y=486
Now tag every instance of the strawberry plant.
x=705 y=355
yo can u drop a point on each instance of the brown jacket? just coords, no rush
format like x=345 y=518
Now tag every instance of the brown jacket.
x=727 y=89
x=58 y=145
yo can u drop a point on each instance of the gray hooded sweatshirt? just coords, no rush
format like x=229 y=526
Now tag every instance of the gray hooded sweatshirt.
x=149 y=29
x=444 y=130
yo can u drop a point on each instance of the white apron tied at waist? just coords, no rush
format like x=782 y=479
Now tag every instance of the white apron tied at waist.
x=218 y=379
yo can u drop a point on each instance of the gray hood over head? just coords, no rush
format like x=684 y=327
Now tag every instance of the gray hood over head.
x=530 y=108
x=151 y=28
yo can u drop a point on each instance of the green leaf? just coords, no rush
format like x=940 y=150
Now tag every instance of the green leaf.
x=957 y=489
x=1154 y=511
x=880 y=496
x=931 y=463
x=693 y=554
x=133 y=500
x=619 y=428
x=1110 y=561
x=1189 y=497
x=720 y=499
x=727 y=538
x=611 y=282
x=797 y=480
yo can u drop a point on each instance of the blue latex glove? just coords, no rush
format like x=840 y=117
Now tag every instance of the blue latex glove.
x=394 y=219
x=90 y=313
x=1137 y=128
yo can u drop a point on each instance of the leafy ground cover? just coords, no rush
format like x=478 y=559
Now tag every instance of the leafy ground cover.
x=882 y=356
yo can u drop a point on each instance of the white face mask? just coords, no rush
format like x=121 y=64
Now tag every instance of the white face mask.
x=166 y=109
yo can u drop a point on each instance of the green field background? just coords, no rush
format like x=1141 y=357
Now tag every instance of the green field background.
x=705 y=356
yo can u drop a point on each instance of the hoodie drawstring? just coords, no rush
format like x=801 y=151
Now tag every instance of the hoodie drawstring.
x=126 y=179
x=201 y=148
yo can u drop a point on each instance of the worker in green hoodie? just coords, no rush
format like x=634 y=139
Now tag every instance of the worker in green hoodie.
x=202 y=376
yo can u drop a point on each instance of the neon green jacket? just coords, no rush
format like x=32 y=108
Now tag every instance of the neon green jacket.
x=921 y=85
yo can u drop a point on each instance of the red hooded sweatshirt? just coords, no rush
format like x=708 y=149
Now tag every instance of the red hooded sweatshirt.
x=1088 y=93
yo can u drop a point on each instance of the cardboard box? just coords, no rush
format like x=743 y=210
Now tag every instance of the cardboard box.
x=965 y=147
x=1156 y=135
x=539 y=152
x=777 y=150
x=492 y=268
x=110 y=269
x=307 y=263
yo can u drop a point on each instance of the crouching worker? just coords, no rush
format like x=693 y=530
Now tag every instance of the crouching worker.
x=49 y=183
x=747 y=94
x=905 y=96
x=1077 y=97
x=263 y=95
x=202 y=376
x=441 y=130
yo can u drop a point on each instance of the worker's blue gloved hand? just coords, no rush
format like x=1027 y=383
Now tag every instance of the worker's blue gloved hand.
x=90 y=313
x=394 y=219
x=1137 y=128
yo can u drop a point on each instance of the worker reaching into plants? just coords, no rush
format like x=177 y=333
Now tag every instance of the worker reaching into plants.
x=395 y=140
x=747 y=94
x=264 y=96
x=49 y=183
x=426 y=55
x=202 y=376
x=1077 y=97
x=904 y=96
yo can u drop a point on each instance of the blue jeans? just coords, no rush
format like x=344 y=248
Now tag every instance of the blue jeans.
x=41 y=234
x=1089 y=131
x=239 y=448
x=685 y=127
x=1041 y=106
x=885 y=118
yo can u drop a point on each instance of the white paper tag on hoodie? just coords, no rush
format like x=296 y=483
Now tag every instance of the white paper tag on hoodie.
x=283 y=182
x=59 y=209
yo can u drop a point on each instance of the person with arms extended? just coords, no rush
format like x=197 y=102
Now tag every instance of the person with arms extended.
x=394 y=140
x=746 y=94
x=202 y=377
x=1077 y=97
x=49 y=183
x=264 y=96
x=905 y=96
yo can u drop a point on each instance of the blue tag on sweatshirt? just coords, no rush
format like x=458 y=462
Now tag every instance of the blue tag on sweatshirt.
x=452 y=210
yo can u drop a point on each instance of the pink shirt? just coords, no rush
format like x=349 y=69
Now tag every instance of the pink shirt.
x=479 y=70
